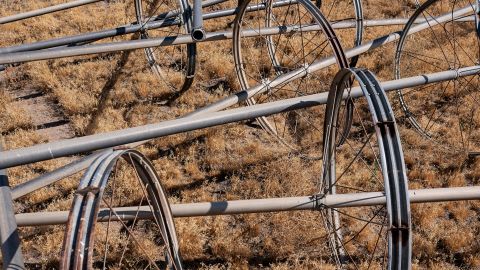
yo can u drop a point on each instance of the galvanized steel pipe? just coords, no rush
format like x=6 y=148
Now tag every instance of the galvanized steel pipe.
x=47 y=10
x=162 y=20
x=120 y=137
x=264 y=205
x=185 y=39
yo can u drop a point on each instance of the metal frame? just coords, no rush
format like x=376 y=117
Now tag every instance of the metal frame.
x=352 y=199
x=400 y=235
x=305 y=203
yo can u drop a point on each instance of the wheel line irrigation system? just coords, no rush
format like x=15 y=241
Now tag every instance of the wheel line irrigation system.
x=214 y=114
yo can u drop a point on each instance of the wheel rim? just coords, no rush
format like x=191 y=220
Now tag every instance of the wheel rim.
x=174 y=66
x=342 y=10
x=444 y=112
x=371 y=159
x=260 y=59
x=119 y=179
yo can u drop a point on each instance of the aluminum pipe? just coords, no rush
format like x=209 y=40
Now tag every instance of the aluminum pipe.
x=185 y=39
x=47 y=10
x=130 y=135
x=313 y=202
x=162 y=20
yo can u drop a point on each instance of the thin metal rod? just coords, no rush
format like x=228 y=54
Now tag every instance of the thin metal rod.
x=313 y=202
x=12 y=257
x=185 y=39
x=47 y=10
x=78 y=145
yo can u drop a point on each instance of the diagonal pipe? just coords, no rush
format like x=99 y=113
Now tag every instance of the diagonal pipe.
x=47 y=10
x=136 y=134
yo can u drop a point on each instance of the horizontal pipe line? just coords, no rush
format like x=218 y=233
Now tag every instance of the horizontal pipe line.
x=168 y=19
x=18 y=57
x=72 y=168
x=163 y=20
x=78 y=145
x=323 y=63
x=314 y=202
x=387 y=22
x=47 y=10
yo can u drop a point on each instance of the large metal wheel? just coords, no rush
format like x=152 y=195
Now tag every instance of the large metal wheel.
x=123 y=178
x=173 y=65
x=304 y=37
x=371 y=159
x=446 y=112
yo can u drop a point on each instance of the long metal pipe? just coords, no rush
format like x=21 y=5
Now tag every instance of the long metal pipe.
x=169 y=20
x=9 y=238
x=130 y=135
x=162 y=20
x=323 y=63
x=390 y=85
x=81 y=164
x=185 y=39
x=47 y=10
x=313 y=202
x=88 y=37
x=29 y=56
x=77 y=166
x=387 y=22
x=53 y=176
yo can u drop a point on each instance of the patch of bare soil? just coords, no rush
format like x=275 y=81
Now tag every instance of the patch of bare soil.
x=46 y=116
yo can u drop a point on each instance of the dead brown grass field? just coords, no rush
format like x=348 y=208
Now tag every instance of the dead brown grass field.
x=235 y=161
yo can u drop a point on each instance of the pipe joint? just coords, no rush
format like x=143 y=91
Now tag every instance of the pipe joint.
x=199 y=34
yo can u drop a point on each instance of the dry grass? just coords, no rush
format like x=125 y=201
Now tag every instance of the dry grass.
x=236 y=161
